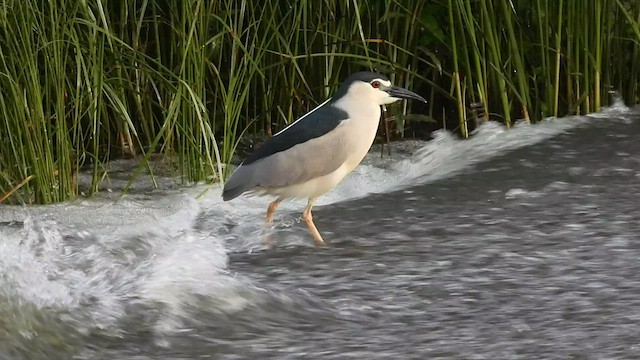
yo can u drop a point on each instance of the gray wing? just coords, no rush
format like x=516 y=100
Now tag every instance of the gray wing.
x=298 y=164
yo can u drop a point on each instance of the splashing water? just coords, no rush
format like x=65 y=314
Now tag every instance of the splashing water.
x=96 y=278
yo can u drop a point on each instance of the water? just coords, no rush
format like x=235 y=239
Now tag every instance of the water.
x=519 y=244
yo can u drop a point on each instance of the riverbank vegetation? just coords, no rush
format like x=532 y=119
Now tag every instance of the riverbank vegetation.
x=85 y=82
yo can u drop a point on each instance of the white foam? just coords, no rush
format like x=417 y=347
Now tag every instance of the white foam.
x=27 y=274
x=445 y=156
x=95 y=255
x=171 y=247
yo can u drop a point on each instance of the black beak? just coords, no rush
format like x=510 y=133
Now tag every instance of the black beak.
x=401 y=93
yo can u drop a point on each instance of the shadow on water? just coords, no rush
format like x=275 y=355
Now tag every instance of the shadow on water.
x=499 y=248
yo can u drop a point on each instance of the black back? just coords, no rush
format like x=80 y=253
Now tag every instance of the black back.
x=313 y=125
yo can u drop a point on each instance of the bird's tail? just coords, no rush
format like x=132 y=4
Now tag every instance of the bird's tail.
x=231 y=193
x=238 y=183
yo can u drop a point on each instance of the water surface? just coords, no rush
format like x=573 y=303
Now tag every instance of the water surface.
x=516 y=244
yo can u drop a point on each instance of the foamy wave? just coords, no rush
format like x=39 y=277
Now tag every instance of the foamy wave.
x=98 y=257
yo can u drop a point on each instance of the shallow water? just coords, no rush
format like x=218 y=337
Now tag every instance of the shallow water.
x=514 y=244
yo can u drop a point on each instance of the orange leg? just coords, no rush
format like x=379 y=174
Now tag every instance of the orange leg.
x=308 y=218
x=271 y=210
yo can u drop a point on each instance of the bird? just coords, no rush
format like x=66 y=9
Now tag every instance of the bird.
x=312 y=155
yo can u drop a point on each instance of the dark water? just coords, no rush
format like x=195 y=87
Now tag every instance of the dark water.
x=531 y=254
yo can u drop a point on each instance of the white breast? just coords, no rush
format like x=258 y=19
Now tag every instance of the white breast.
x=363 y=124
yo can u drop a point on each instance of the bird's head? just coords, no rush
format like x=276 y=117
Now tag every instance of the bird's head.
x=376 y=88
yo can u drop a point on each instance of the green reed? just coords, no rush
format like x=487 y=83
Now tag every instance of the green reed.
x=83 y=83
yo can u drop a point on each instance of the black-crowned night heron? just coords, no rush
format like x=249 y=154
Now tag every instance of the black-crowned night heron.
x=313 y=154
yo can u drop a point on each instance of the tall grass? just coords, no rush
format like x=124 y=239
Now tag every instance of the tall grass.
x=84 y=82
x=563 y=54
x=38 y=128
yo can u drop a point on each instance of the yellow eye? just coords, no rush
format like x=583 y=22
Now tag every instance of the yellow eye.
x=375 y=84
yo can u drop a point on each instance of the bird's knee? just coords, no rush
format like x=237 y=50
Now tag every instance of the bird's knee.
x=273 y=206
x=306 y=216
